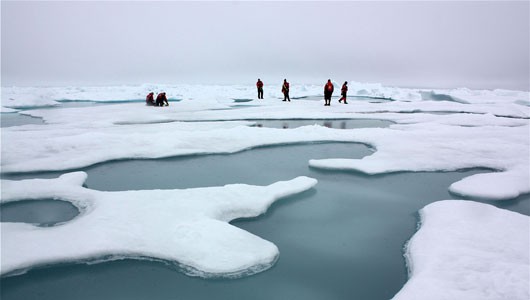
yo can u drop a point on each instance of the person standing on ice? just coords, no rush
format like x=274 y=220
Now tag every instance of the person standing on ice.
x=343 y=92
x=328 y=91
x=161 y=99
x=150 y=99
x=285 y=90
x=259 y=85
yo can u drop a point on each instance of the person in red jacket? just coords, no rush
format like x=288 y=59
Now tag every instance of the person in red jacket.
x=259 y=85
x=150 y=99
x=285 y=90
x=328 y=91
x=343 y=92
x=161 y=99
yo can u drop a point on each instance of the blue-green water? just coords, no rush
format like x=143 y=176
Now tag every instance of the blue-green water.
x=45 y=212
x=337 y=124
x=341 y=240
x=16 y=119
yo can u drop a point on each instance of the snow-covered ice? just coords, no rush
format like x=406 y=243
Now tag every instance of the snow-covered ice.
x=186 y=227
x=468 y=250
x=436 y=147
x=490 y=134
x=433 y=130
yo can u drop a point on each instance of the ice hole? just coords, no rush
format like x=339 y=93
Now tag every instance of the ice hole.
x=45 y=212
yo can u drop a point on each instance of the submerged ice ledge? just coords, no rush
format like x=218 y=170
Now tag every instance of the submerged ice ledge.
x=187 y=227
x=468 y=250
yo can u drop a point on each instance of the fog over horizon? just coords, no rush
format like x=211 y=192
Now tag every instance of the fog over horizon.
x=479 y=45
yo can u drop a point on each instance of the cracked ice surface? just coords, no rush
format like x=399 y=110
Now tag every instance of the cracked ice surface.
x=186 y=227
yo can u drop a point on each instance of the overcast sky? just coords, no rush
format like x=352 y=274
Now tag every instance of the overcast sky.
x=413 y=44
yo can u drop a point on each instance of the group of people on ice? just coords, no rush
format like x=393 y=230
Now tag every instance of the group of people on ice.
x=161 y=99
x=328 y=91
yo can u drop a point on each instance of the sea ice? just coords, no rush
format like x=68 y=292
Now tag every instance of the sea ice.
x=435 y=147
x=468 y=250
x=464 y=250
x=186 y=227
x=490 y=134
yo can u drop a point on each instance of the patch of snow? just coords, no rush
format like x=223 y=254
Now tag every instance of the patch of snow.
x=468 y=250
x=435 y=147
x=186 y=227
x=7 y=110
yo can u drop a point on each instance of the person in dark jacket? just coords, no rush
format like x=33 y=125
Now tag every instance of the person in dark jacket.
x=161 y=99
x=259 y=85
x=150 y=99
x=285 y=90
x=343 y=92
x=328 y=91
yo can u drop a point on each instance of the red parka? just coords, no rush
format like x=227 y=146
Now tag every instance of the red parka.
x=150 y=98
x=285 y=87
x=329 y=87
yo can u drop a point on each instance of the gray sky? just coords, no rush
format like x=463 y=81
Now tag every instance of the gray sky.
x=414 y=44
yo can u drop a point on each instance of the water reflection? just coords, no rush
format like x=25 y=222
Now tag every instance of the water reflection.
x=338 y=124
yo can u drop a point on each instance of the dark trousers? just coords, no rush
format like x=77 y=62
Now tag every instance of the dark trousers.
x=343 y=98
x=286 y=96
x=161 y=102
x=260 y=93
x=327 y=97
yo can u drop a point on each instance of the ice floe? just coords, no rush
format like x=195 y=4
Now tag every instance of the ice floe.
x=435 y=147
x=188 y=228
x=468 y=250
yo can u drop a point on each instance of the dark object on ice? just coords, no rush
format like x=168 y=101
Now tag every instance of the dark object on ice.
x=285 y=90
x=150 y=99
x=343 y=92
x=259 y=85
x=161 y=99
x=328 y=91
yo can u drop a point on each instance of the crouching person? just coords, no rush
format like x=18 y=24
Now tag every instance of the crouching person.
x=161 y=99
x=150 y=99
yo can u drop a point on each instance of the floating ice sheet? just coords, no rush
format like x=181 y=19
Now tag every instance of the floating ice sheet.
x=186 y=227
x=435 y=147
x=468 y=250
